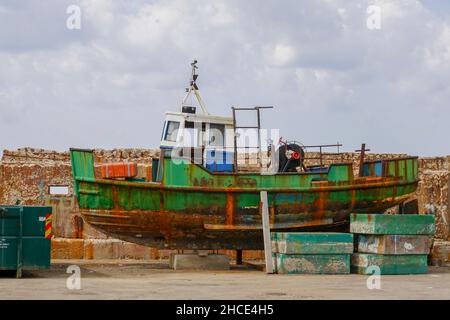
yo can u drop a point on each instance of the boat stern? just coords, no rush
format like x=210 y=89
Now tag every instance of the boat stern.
x=82 y=167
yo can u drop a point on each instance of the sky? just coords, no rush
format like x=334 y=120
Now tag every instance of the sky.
x=335 y=70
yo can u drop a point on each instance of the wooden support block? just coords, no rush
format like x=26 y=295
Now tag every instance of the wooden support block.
x=311 y=263
x=392 y=224
x=192 y=261
x=393 y=244
x=312 y=243
x=389 y=264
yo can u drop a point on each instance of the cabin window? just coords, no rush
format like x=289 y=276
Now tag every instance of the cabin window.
x=216 y=135
x=172 y=131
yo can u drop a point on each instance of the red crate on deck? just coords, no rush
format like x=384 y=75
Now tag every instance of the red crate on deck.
x=119 y=170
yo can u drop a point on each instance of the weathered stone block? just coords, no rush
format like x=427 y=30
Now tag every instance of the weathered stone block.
x=392 y=224
x=393 y=244
x=102 y=248
x=312 y=243
x=202 y=253
x=129 y=250
x=192 y=261
x=363 y=263
x=67 y=248
x=441 y=251
x=311 y=263
x=163 y=253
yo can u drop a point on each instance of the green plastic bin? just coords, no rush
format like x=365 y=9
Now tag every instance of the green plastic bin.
x=25 y=233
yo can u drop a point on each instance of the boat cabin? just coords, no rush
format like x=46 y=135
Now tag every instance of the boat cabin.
x=210 y=136
x=185 y=129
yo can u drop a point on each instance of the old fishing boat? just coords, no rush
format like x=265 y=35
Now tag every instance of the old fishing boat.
x=198 y=197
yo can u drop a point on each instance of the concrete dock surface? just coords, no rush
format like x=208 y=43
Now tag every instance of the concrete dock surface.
x=152 y=279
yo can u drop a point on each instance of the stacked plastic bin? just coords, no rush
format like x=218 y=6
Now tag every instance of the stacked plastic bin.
x=311 y=253
x=391 y=244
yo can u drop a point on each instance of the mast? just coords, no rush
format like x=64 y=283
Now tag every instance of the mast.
x=193 y=88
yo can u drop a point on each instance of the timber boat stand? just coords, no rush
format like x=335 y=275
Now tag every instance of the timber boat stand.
x=199 y=260
x=203 y=260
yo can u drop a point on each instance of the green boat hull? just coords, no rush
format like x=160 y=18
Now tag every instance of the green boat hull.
x=192 y=208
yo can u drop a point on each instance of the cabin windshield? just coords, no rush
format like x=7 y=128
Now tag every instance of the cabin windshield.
x=171 y=131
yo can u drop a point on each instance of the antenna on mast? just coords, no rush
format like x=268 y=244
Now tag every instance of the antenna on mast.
x=194 y=88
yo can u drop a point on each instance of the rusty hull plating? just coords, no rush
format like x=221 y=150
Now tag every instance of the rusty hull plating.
x=192 y=207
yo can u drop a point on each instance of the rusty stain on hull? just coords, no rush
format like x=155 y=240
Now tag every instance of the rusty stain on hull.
x=194 y=208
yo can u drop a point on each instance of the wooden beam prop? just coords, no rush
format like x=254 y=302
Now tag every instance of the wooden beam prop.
x=266 y=232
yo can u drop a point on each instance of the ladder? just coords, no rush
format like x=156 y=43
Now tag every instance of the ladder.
x=257 y=127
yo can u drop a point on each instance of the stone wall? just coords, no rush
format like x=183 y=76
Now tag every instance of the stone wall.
x=26 y=175
x=432 y=193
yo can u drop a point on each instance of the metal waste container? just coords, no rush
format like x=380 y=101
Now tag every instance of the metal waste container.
x=25 y=236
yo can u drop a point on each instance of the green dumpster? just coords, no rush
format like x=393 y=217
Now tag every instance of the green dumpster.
x=25 y=233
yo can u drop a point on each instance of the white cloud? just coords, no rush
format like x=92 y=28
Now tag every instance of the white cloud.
x=283 y=55
x=220 y=14
x=329 y=77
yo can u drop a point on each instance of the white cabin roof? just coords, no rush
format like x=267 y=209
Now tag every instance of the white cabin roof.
x=202 y=117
